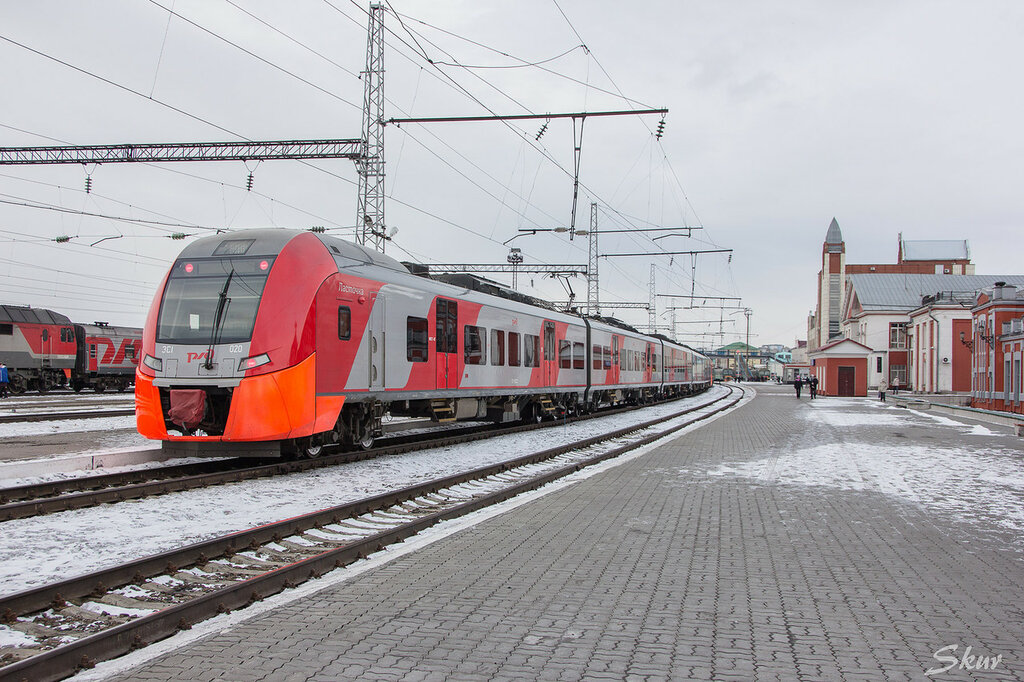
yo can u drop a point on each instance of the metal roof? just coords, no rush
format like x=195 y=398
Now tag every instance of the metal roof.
x=834 y=234
x=936 y=249
x=895 y=291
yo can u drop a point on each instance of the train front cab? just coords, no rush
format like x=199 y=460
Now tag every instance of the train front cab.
x=229 y=344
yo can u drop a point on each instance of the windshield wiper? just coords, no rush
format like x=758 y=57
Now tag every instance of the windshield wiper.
x=222 y=304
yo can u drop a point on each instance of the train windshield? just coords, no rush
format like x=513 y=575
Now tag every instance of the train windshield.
x=212 y=300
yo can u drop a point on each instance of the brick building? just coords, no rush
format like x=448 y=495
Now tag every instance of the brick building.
x=996 y=344
x=913 y=257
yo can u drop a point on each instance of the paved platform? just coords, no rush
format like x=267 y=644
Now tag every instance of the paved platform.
x=837 y=539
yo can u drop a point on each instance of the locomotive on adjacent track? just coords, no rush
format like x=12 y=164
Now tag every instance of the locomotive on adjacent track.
x=44 y=349
x=296 y=340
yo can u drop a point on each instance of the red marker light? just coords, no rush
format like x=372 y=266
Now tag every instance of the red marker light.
x=188 y=267
x=251 y=362
x=264 y=265
x=362 y=299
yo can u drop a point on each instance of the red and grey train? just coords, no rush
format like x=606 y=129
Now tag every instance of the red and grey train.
x=296 y=340
x=44 y=349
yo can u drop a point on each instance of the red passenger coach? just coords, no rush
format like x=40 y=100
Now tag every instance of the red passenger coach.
x=293 y=339
x=106 y=356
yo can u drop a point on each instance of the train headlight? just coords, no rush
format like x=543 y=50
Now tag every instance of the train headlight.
x=253 y=362
x=155 y=364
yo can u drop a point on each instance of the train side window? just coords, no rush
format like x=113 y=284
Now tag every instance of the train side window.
x=565 y=354
x=615 y=352
x=416 y=339
x=513 y=349
x=46 y=334
x=474 y=345
x=344 y=323
x=607 y=357
x=531 y=350
x=578 y=361
x=497 y=348
x=129 y=352
x=7 y=329
x=92 y=350
x=549 y=341
x=597 y=357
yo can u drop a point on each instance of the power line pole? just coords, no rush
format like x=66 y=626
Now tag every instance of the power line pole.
x=650 y=309
x=370 y=226
x=593 y=307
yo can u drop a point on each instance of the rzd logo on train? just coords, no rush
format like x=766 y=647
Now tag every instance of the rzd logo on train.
x=196 y=356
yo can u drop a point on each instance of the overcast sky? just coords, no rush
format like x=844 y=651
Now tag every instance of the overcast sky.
x=890 y=116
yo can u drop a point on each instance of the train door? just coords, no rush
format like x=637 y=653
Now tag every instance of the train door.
x=550 y=361
x=615 y=375
x=376 y=343
x=46 y=346
x=447 y=343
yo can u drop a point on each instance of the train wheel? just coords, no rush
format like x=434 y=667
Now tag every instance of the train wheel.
x=99 y=387
x=121 y=386
x=367 y=441
x=77 y=386
x=18 y=384
x=43 y=386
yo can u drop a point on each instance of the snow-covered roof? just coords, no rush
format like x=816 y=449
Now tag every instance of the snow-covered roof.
x=896 y=291
x=936 y=249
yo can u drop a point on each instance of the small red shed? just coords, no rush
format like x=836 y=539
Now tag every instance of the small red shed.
x=842 y=368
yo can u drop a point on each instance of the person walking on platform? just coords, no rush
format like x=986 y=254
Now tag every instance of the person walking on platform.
x=895 y=385
x=812 y=383
x=883 y=386
x=798 y=384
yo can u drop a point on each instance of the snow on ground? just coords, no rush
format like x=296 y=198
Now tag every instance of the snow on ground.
x=20 y=429
x=43 y=549
x=976 y=484
x=102 y=471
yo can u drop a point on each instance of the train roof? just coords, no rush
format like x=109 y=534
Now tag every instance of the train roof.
x=23 y=313
x=268 y=241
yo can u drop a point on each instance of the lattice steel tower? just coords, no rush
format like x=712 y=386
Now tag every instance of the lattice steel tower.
x=593 y=307
x=651 y=317
x=370 y=227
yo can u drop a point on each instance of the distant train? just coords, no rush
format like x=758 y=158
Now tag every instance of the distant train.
x=44 y=349
x=298 y=340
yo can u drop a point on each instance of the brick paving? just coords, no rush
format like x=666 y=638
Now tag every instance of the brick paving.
x=664 y=568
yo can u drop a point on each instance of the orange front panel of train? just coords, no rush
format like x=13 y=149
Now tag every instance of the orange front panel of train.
x=274 y=406
x=149 y=416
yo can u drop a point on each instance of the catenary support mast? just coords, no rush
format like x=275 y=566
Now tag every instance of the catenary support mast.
x=370 y=226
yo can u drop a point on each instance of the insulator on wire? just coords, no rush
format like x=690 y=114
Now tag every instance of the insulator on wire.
x=543 y=129
x=178 y=235
x=661 y=129
x=63 y=239
x=317 y=229
x=88 y=184
x=248 y=183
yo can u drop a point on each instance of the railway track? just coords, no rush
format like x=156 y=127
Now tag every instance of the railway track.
x=110 y=612
x=88 y=491
x=57 y=416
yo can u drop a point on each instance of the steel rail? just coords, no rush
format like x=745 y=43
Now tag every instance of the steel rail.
x=56 y=416
x=63 y=661
x=87 y=491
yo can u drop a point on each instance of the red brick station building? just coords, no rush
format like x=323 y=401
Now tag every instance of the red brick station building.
x=926 y=323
